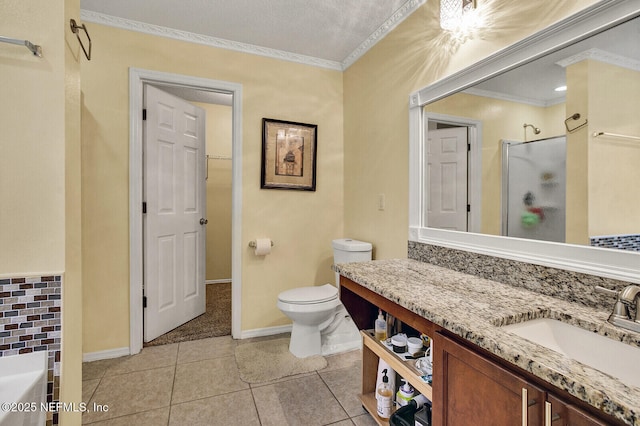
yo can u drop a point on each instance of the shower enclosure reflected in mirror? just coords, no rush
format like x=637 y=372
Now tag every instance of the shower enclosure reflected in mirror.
x=602 y=78
x=533 y=189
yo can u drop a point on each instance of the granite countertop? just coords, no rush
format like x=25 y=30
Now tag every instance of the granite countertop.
x=475 y=308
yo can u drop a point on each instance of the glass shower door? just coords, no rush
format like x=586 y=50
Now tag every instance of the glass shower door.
x=534 y=189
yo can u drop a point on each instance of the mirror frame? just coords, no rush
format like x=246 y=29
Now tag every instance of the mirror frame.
x=610 y=263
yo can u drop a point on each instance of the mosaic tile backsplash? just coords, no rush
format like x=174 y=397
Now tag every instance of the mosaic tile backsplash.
x=620 y=242
x=559 y=283
x=30 y=321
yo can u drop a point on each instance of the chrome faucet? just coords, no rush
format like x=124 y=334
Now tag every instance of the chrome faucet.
x=628 y=297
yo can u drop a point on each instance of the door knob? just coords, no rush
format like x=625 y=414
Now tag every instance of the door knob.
x=203 y=221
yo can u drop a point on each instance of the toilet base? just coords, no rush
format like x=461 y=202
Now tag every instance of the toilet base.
x=340 y=335
x=344 y=336
x=305 y=340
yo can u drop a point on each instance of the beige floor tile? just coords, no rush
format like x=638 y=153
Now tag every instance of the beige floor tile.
x=344 y=360
x=347 y=422
x=96 y=369
x=149 y=358
x=198 y=350
x=202 y=379
x=345 y=385
x=235 y=408
x=364 y=420
x=132 y=393
x=263 y=338
x=88 y=388
x=304 y=401
x=283 y=379
x=148 y=418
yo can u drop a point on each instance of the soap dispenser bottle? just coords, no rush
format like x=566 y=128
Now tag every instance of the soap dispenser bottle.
x=384 y=397
x=405 y=394
x=380 y=327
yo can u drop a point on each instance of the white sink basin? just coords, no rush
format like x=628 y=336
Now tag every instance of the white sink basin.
x=609 y=356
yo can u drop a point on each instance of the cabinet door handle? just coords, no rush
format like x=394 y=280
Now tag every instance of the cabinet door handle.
x=525 y=406
x=549 y=415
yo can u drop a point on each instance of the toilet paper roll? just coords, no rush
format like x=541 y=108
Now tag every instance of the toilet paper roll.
x=263 y=246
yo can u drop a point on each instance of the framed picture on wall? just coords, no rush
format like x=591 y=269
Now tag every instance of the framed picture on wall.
x=288 y=155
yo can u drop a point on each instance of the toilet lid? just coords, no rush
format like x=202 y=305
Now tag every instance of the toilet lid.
x=309 y=295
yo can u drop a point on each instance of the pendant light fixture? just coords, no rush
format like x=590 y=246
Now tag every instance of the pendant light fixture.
x=454 y=12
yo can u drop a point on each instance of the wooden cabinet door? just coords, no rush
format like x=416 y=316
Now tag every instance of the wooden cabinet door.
x=469 y=389
x=558 y=413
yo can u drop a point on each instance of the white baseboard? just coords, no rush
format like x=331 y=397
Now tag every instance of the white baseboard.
x=268 y=331
x=247 y=334
x=220 y=281
x=108 y=354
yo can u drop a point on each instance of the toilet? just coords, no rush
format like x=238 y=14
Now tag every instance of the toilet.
x=321 y=323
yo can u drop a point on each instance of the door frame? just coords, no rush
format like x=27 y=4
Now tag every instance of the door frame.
x=137 y=79
x=474 y=162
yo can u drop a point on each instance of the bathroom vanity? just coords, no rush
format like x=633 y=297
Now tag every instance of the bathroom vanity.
x=484 y=374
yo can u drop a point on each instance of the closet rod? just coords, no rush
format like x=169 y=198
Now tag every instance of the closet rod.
x=616 y=135
x=214 y=157
x=35 y=49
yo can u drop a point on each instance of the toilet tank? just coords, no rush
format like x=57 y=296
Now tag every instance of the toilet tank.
x=348 y=250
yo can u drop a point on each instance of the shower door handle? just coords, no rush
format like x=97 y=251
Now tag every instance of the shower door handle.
x=203 y=221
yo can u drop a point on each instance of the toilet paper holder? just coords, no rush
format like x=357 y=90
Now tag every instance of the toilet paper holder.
x=253 y=244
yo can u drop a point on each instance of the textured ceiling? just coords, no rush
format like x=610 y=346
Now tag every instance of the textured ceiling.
x=327 y=33
x=536 y=81
x=329 y=30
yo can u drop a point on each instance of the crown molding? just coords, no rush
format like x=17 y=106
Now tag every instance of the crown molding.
x=514 y=98
x=156 y=30
x=601 y=56
x=398 y=16
x=389 y=25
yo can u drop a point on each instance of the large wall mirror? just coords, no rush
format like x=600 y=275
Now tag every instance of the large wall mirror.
x=533 y=153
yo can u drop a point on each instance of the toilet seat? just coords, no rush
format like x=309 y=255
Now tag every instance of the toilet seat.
x=309 y=295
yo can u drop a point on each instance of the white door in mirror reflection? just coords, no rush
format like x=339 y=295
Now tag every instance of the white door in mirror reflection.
x=447 y=178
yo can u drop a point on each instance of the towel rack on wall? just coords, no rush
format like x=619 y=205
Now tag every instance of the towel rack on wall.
x=615 y=135
x=34 y=48
x=575 y=116
x=75 y=28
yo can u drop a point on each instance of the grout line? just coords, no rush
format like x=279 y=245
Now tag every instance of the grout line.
x=125 y=415
x=334 y=395
x=255 y=405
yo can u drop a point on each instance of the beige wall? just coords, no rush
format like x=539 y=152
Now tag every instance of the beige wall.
x=40 y=165
x=614 y=193
x=32 y=113
x=302 y=224
x=501 y=120
x=600 y=169
x=219 y=144
x=71 y=370
x=577 y=231
x=377 y=89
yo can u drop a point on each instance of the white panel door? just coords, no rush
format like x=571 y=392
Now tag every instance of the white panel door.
x=173 y=225
x=447 y=178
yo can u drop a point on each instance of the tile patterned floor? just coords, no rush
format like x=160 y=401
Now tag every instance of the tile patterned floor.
x=197 y=383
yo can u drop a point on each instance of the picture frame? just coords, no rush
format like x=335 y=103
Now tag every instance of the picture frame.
x=289 y=151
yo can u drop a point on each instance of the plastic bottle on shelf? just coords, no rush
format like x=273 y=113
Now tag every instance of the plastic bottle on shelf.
x=380 y=327
x=384 y=397
x=404 y=394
